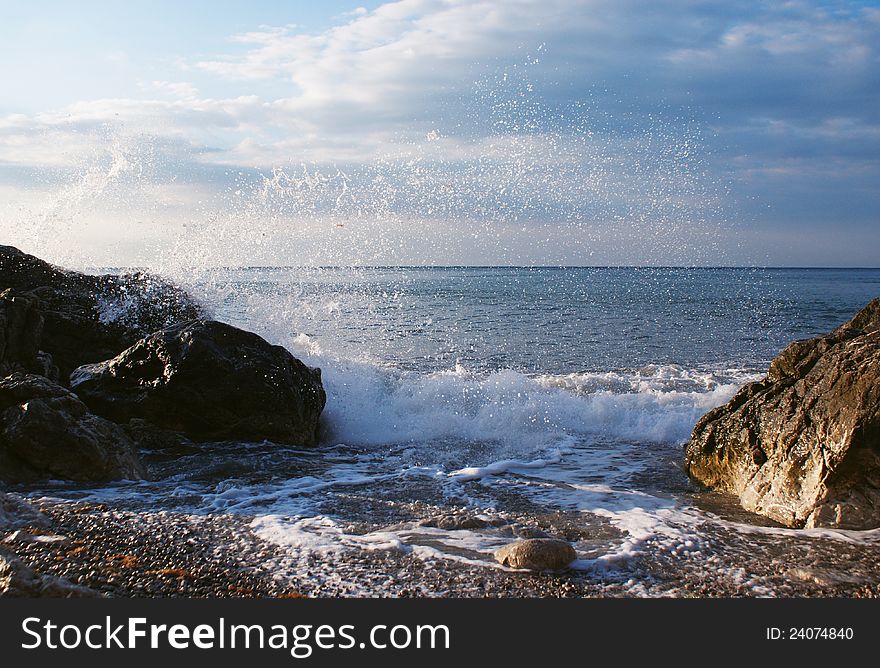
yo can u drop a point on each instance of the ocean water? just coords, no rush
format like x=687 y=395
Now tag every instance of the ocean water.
x=520 y=398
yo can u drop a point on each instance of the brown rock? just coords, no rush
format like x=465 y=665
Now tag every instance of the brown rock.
x=537 y=554
x=802 y=446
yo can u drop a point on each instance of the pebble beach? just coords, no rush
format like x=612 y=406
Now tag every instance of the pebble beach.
x=102 y=551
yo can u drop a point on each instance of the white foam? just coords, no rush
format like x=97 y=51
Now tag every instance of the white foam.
x=372 y=405
x=853 y=537
x=504 y=466
x=320 y=534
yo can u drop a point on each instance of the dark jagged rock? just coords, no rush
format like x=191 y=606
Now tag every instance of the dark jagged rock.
x=147 y=436
x=802 y=446
x=46 y=432
x=91 y=318
x=21 y=329
x=143 y=303
x=210 y=381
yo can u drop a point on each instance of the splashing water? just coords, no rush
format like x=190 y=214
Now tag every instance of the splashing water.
x=516 y=396
x=503 y=176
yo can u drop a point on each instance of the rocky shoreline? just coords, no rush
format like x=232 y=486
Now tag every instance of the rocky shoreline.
x=802 y=445
x=99 y=367
x=100 y=373
x=95 y=371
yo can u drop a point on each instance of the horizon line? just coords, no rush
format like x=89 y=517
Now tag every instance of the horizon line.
x=508 y=266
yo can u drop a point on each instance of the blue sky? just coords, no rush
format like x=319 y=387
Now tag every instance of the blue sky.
x=103 y=49
x=442 y=131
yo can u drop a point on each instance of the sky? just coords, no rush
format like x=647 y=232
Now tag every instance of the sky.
x=585 y=132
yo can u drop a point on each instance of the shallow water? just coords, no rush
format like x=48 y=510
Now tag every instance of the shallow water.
x=517 y=400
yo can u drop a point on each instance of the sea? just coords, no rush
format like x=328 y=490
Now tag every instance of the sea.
x=471 y=405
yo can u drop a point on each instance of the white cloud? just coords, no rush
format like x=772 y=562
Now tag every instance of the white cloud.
x=179 y=89
x=384 y=78
x=599 y=94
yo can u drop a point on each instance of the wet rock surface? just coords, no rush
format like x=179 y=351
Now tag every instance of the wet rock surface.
x=90 y=318
x=461 y=521
x=210 y=381
x=201 y=379
x=802 y=445
x=46 y=432
x=21 y=329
